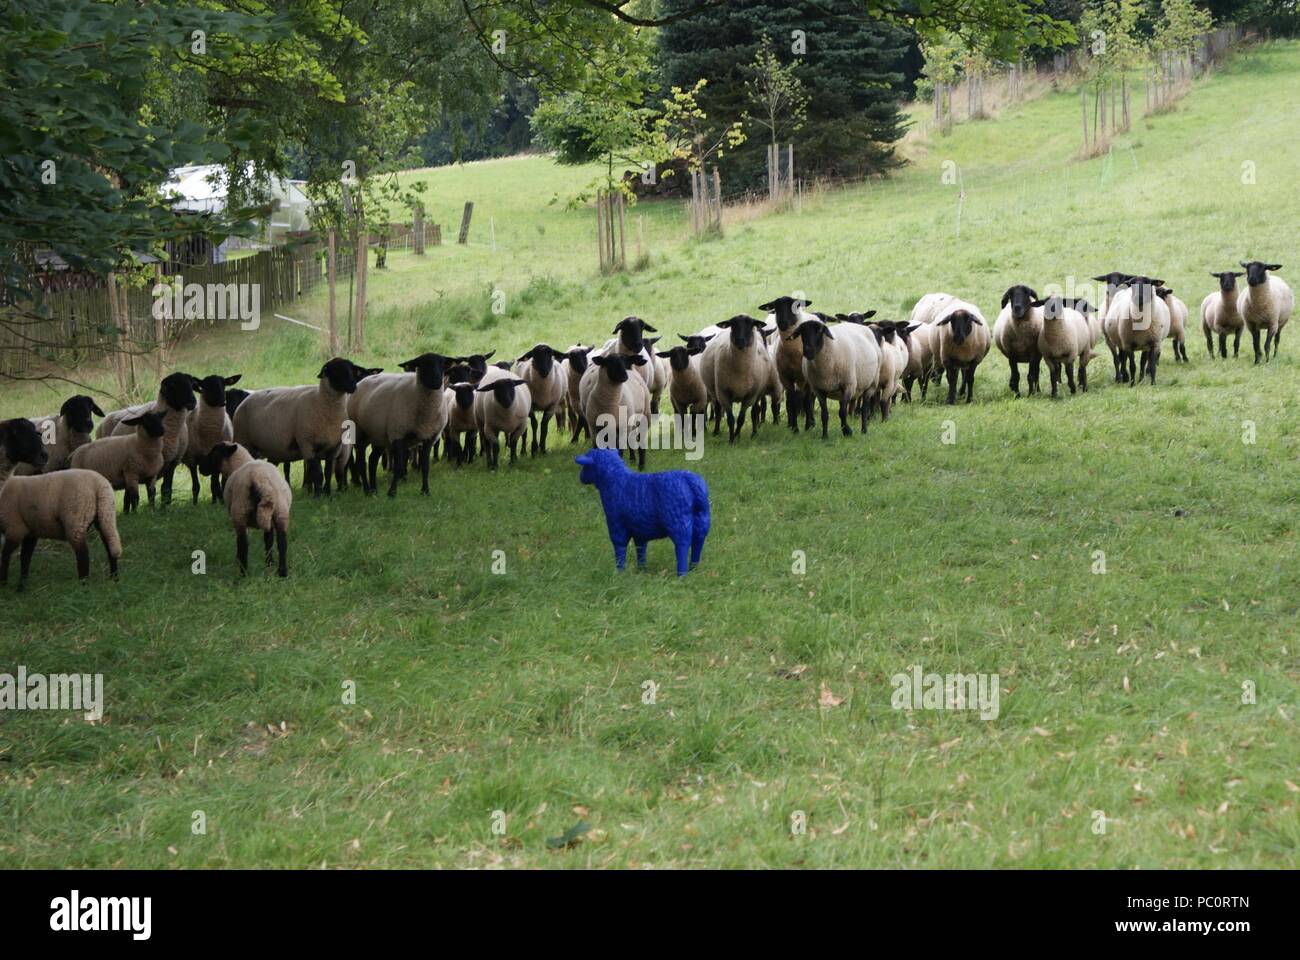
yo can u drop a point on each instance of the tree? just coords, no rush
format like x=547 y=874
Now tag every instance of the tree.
x=776 y=94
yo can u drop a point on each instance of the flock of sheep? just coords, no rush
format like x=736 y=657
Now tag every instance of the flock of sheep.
x=57 y=480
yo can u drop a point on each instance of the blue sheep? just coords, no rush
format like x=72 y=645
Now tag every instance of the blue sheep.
x=648 y=506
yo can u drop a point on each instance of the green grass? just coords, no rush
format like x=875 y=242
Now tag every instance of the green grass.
x=521 y=692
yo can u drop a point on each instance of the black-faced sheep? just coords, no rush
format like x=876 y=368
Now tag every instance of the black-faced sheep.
x=1265 y=304
x=126 y=461
x=256 y=496
x=963 y=341
x=175 y=401
x=57 y=506
x=1220 y=315
x=1015 y=333
x=63 y=433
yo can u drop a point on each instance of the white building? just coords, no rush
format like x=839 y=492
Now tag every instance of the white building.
x=202 y=189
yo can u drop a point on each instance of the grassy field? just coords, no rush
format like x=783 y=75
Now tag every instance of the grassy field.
x=522 y=692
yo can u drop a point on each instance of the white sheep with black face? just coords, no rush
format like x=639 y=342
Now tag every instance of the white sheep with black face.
x=1177 y=322
x=840 y=361
x=1065 y=340
x=736 y=370
x=685 y=383
x=501 y=405
x=963 y=341
x=175 y=400
x=1015 y=334
x=629 y=340
x=786 y=313
x=63 y=433
x=1142 y=320
x=616 y=403
x=573 y=366
x=542 y=369
x=1265 y=304
x=399 y=414
x=1114 y=281
x=1220 y=315
x=126 y=461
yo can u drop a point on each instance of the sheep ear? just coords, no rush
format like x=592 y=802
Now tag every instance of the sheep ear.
x=197 y=383
x=694 y=351
x=618 y=326
x=517 y=382
x=682 y=336
x=526 y=356
x=1158 y=283
x=321 y=374
x=1243 y=263
x=827 y=333
x=841 y=317
x=646 y=326
x=725 y=324
x=1273 y=266
x=599 y=360
x=769 y=306
x=1217 y=276
x=975 y=319
x=1035 y=303
x=709 y=337
x=231 y=381
x=1236 y=273
x=485 y=389
x=94 y=408
x=869 y=313
x=943 y=322
x=665 y=355
x=134 y=420
x=639 y=360
x=652 y=340
x=1006 y=297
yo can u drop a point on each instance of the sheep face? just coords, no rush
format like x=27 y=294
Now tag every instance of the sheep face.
x=477 y=362
x=742 y=327
x=962 y=323
x=464 y=393
x=1053 y=307
x=177 y=391
x=617 y=366
x=631 y=333
x=22 y=443
x=854 y=317
x=695 y=343
x=151 y=423
x=460 y=373
x=599 y=464
x=679 y=358
x=787 y=311
x=814 y=335
x=428 y=368
x=577 y=358
x=1257 y=271
x=1080 y=304
x=213 y=388
x=503 y=390
x=1227 y=281
x=77 y=410
x=1144 y=290
x=341 y=374
x=360 y=373
x=544 y=359
x=1114 y=279
x=233 y=399
x=1021 y=299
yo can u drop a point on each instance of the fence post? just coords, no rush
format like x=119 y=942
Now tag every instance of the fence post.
x=464 y=222
x=329 y=271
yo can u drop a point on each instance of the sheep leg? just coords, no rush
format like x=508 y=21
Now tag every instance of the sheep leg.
x=864 y=410
x=25 y=561
x=925 y=384
x=194 y=482
x=397 y=470
x=218 y=494
x=532 y=423
x=1223 y=345
x=286 y=471
x=424 y=466
x=1152 y=360
x=268 y=539
x=1236 y=343
x=372 y=469
x=968 y=381
x=951 y=368
x=1069 y=374
x=825 y=414
x=241 y=549
x=753 y=425
x=82 y=553
x=149 y=488
x=731 y=423
x=1035 y=367
x=10 y=546
x=1209 y=343
x=112 y=560
x=1254 y=336
x=546 y=428
x=1277 y=338
x=1268 y=343
x=808 y=410
x=1083 y=376
x=844 y=417
x=1015 y=378
x=169 y=469
x=282 y=547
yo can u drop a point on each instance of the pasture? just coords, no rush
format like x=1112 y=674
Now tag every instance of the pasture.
x=522 y=691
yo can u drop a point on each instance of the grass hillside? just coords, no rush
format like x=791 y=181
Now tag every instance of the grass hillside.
x=522 y=692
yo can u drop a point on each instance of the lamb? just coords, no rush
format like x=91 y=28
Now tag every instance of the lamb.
x=962 y=339
x=919 y=338
x=787 y=313
x=1177 y=322
x=257 y=496
x=893 y=361
x=540 y=369
x=209 y=424
x=20 y=444
x=126 y=461
x=685 y=384
x=175 y=400
x=1016 y=334
x=1114 y=281
x=1220 y=314
x=615 y=403
x=843 y=362
x=737 y=368
x=1064 y=339
x=477 y=363
x=1265 y=304
x=1142 y=320
x=574 y=366
x=501 y=406
x=641 y=508
x=462 y=426
x=57 y=506
x=63 y=433
x=396 y=412
x=284 y=424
